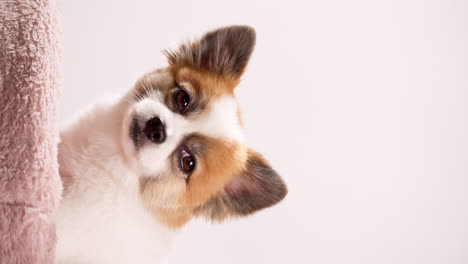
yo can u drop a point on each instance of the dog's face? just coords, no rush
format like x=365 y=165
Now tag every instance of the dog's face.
x=184 y=131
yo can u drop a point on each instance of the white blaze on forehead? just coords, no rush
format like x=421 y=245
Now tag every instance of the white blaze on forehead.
x=220 y=120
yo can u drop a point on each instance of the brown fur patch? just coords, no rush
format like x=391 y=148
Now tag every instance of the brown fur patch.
x=218 y=162
x=225 y=51
x=208 y=86
x=221 y=161
x=256 y=187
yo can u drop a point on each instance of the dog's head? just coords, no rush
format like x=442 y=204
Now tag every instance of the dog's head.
x=184 y=130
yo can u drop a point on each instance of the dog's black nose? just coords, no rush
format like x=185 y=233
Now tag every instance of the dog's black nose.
x=155 y=130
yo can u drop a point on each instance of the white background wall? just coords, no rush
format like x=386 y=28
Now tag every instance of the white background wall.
x=360 y=105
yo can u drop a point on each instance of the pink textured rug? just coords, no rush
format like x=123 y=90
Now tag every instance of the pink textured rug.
x=29 y=182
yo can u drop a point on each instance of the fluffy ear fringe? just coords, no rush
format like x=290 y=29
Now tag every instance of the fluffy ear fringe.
x=225 y=51
x=257 y=187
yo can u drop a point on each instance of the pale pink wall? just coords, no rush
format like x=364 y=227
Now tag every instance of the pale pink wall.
x=361 y=105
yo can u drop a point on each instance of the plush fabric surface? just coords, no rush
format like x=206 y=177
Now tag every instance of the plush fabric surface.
x=29 y=182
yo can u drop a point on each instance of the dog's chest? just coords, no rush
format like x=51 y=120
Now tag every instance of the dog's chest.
x=99 y=224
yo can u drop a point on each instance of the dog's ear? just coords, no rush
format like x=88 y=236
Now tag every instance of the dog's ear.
x=224 y=51
x=258 y=186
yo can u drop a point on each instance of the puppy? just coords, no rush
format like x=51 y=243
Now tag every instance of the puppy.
x=138 y=168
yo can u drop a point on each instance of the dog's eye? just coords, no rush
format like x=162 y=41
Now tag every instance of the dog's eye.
x=187 y=161
x=181 y=100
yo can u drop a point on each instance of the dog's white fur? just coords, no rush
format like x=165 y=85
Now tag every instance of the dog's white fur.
x=101 y=218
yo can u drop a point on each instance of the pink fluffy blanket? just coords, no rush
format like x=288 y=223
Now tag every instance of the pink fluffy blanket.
x=29 y=182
